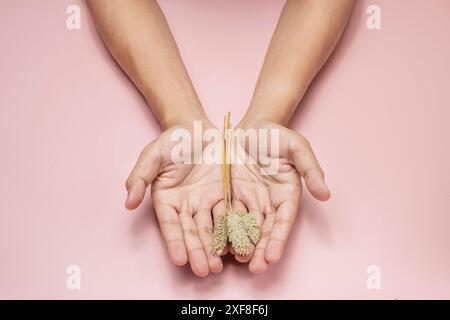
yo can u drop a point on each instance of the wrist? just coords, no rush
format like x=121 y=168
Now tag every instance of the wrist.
x=248 y=122
x=257 y=116
x=183 y=117
x=276 y=106
x=176 y=111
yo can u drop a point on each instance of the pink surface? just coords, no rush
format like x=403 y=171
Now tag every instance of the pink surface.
x=71 y=127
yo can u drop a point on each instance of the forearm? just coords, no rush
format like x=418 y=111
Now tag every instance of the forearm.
x=137 y=35
x=305 y=36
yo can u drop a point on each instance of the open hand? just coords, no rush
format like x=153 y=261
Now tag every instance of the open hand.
x=184 y=196
x=274 y=198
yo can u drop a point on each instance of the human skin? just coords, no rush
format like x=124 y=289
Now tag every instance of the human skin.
x=137 y=35
x=305 y=36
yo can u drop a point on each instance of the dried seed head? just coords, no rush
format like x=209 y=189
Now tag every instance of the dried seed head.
x=251 y=226
x=237 y=234
x=220 y=235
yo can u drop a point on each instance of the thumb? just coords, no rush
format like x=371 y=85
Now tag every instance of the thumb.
x=307 y=165
x=144 y=172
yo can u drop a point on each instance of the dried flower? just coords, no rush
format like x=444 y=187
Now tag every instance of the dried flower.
x=251 y=226
x=220 y=235
x=237 y=234
x=240 y=228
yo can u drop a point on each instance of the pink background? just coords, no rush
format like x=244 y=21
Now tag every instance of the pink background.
x=71 y=127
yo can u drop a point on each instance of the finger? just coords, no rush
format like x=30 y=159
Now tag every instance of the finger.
x=258 y=263
x=239 y=206
x=145 y=170
x=203 y=220
x=196 y=254
x=307 y=165
x=172 y=233
x=259 y=216
x=282 y=226
x=217 y=211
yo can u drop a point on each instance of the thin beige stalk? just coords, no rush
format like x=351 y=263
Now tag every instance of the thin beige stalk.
x=239 y=228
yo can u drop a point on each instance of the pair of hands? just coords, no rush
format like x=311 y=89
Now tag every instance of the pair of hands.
x=187 y=198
